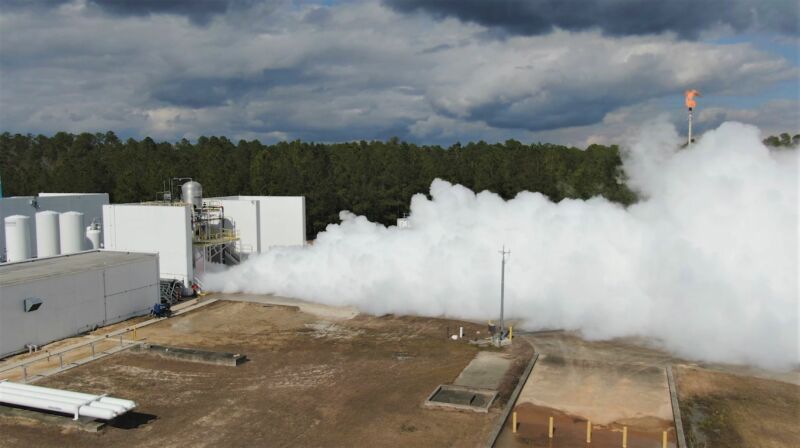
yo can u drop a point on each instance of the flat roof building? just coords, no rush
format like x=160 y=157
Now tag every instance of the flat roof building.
x=47 y=299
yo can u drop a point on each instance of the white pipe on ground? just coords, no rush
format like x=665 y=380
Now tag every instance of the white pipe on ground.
x=58 y=406
x=67 y=393
x=76 y=403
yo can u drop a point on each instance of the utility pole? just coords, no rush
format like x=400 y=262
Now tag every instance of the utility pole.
x=503 y=253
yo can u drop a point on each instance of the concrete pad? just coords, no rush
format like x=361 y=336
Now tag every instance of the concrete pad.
x=327 y=312
x=605 y=393
x=193 y=354
x=461 y=398
x=485 y=371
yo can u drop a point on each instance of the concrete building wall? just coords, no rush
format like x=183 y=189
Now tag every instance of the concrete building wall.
x=282 y=219
x=90 y=204
x=130 y=290
x=162 y=229
x=244 y=215
x=75 y=302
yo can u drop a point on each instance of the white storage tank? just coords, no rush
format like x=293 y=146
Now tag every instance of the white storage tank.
x=18 y=238
x=192 y=193
x=47 y=234
x=71 y=226
x=93 y=236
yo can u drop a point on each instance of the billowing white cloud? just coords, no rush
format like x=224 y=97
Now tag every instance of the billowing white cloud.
x=704 y=265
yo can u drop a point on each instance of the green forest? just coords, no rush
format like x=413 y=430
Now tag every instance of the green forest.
x=375 y=179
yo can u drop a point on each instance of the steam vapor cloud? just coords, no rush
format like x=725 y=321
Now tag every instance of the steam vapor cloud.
x=705 y=265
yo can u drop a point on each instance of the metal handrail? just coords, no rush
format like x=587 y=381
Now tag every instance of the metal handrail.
x=60 y=353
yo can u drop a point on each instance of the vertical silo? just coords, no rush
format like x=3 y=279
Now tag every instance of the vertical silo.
x=192 y=193
x=18 y=238
x=71 y=226
x=47 y=234
x=93 y=236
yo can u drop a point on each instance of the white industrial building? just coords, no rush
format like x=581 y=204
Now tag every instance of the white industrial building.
x=88 y=208
x=47 y=299
x=190 y=233
x=57 y=282
x=162 y=228
x=265 y=221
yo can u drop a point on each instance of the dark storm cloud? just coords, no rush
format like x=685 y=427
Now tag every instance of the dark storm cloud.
x=199 y=12
x=540 y=117
x=687 y=18
x=210 y=92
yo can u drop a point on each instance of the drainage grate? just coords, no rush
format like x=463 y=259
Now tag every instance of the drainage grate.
x=461 y=397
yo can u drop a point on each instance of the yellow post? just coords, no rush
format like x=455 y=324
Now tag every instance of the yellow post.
x=510 y=333
x=134 y=333
x=514 y=422
x=624 y=437
x=588 y=431
x=550 y=428
x=664 y=439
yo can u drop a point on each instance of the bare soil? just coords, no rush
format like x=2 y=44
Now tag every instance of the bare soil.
x=309 y=382
x=724 y=409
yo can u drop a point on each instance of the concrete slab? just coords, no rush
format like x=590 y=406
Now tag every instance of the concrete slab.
x=461 y=398
x=485 y=371
x=193 y=354
x=333 y=313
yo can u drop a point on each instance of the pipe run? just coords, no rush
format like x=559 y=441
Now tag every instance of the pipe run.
x=67 y=402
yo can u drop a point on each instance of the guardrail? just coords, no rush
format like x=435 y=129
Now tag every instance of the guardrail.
x=48 y=355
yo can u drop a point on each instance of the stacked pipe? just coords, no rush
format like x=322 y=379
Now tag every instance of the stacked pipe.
x=75 y=403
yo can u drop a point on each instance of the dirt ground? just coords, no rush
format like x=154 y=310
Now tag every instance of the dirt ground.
x=311 y=380
x=724 y=409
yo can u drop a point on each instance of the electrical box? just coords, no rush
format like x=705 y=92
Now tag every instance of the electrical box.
x=32 y=304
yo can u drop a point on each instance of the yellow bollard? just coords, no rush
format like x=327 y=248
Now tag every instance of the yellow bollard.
x=664 y=439
x=134 y=333
x=510 y=333
x=588 y=431
x=624 y=437
x=550 y=428
x=514 y=422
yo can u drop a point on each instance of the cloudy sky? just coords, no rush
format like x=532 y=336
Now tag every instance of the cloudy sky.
x=427 y=71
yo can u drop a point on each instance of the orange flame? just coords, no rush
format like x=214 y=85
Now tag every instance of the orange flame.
x=690 y=102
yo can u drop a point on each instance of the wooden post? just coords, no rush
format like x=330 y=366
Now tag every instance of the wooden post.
x=664 y=439
x=514 y=422
x=624 y=437
x=134 y=333
x=588 y=431
x=550 y=428
x=510 y=333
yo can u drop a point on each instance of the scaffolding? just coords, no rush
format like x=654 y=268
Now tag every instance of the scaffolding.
x=212 y=241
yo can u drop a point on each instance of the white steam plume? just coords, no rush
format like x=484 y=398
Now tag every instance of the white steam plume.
x=706 y=263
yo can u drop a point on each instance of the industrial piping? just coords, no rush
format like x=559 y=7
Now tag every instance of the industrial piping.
x=75 y=403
